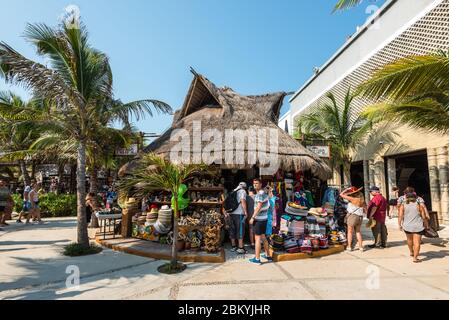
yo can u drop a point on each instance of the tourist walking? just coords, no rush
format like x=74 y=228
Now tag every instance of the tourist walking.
x=250 y=208
x=377 y=211
x=412 y=220
x=354 y=217
x=259 y=222
x=237 y=220
x=393 y=203
x=26 y=203
x=5 y=201
x=35 y=212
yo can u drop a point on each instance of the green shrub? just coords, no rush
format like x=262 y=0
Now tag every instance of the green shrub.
x=76 y=250
x=51 y=204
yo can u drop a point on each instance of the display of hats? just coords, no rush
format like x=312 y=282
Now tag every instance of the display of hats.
x=318 y=212
x=153 y=215
x=165 y=216
x=160 y=228
x=296 y=212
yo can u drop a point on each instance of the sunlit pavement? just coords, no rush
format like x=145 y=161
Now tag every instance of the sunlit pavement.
x=33 y=268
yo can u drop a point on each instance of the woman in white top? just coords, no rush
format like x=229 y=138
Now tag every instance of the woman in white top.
x=356 y=210
x=412 y=220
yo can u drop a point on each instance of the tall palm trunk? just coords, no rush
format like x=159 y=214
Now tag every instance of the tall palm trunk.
x=60 y=177
x=93 y=179
x=347 y=173
x=366 y=178
x=174 y=251
x=24 y=171
x=82 y=235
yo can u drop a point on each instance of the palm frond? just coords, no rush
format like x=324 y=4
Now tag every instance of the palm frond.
x=346 y=4
x=409 y=76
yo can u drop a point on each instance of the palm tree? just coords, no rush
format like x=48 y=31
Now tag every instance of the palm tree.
x=340 y=126
x=413 y=90
x=16 y=138
x=77 y=83
x=345 y=4
x=154 y=173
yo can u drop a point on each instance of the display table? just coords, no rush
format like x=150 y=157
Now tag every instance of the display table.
x=108 y=219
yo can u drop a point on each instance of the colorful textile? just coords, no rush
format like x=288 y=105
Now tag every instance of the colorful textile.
x=297 y=228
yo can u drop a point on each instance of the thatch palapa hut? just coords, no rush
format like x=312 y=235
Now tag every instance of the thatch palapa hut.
x=227 y=116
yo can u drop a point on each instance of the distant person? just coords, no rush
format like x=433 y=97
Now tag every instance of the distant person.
x=5 y=201
x=354 y=217
x=412 y=220
x=259 y=222
x=92 y=207
x=237 y=220
x=250 y=208
x=272 y=202
x=111 y=197
x=26 y=204
x=393 y=203
x=377 y=210
x=419 y=200
x=35 y=212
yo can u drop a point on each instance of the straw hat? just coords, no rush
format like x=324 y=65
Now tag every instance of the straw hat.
x=371 y=223
x=165 y=216
x=318 y=212
x=354 y=190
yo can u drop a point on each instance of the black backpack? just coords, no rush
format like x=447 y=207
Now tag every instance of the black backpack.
x=231 y=203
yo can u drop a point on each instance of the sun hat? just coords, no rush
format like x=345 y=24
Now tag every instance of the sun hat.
x=242 y=185
x=353 y=190
x=371 y=223
x=165 y=216
x=318 y=212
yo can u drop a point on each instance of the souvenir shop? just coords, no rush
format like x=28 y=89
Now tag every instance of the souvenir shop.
x=306 y=216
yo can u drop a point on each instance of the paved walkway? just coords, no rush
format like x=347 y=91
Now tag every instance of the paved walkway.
x=33 y=268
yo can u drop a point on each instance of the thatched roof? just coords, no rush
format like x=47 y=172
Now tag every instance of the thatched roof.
x=224 y=109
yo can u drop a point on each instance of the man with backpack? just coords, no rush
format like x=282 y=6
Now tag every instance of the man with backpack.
x=236 y=208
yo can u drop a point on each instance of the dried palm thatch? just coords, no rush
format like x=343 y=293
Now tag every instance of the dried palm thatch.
x=222 y=110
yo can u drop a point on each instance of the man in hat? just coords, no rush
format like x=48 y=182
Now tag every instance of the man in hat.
x=377 y=210
x=237 y=220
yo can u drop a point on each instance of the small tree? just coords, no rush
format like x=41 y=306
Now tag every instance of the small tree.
x=157 y=173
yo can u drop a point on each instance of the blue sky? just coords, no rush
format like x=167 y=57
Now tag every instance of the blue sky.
x=252 y=46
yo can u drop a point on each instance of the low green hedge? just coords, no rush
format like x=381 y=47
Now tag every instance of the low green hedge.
x=51 y=204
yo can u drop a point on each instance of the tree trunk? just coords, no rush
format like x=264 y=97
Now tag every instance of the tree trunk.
x=73 y=171
x=60 y=178
x=347 y=173
x=33 y=170
x=174 y=251
x=24 y=171
x=83 y=238
x=93 y=180
x=366 y=178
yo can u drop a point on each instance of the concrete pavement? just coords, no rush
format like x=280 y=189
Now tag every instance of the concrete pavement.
x=34 y=268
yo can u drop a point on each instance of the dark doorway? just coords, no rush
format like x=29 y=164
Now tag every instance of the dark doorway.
x=413 y=170
x=357 y=174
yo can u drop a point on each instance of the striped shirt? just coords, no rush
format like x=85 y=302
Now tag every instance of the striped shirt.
x=262 y=197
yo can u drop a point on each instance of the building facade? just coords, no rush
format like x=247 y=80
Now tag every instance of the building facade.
x=400 y=28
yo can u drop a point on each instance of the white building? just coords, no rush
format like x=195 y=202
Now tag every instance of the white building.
x=400 y=28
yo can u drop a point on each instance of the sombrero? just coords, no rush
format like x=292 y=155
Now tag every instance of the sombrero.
x=354 y=190
x=318 y=212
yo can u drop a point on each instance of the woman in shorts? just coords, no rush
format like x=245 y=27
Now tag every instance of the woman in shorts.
x=412 y=220
x=354 y=218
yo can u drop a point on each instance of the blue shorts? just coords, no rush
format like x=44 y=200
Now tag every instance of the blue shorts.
x=26 y=206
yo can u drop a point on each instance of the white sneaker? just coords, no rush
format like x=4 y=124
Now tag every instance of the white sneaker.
x=349 y=249
x=361 y=249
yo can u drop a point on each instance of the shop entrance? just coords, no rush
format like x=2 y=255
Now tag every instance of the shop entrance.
x=413 y=170
x=357 y=174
